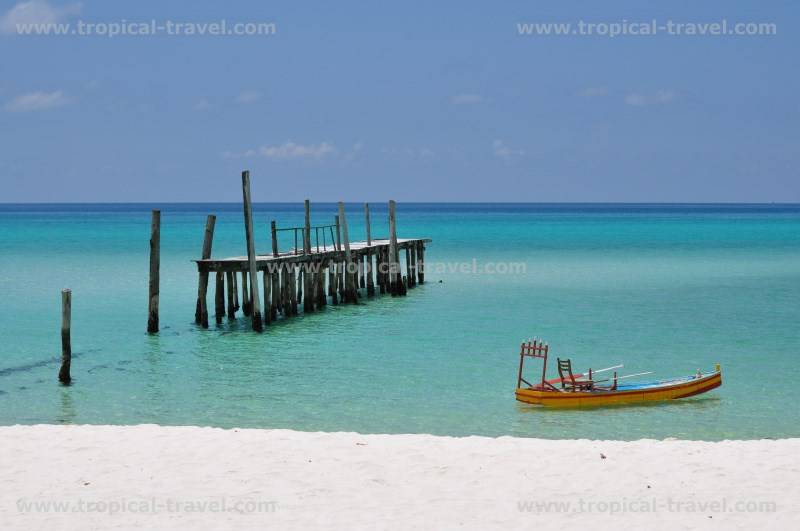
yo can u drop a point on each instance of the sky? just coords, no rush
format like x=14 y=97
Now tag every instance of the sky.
x=415 y=101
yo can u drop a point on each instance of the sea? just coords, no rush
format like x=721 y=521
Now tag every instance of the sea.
x=667 y=288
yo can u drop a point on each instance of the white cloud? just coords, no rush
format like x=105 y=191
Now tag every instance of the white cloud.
x=36 y=101
x=248 y=96
x=35 y=12
x=466 y=99
x=286 y=151
x=658 y=98
x=504 y=152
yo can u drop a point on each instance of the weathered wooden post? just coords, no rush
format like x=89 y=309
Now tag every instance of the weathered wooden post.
x=276 y=291
x=394 y=258
x=235 y=292
x=338 y=234
x=408 y=267
x=349 y=274
x=293 y=271
x=245 y=296
x=229 y=276
x=201 y=311
x=251 y=252
x=155 y=259
x=421 y=262
x=412 y=277
x=333 y=280
x=66 y=342
x=307 y=231
x=267 y=281
x=368 y=270
x=307 y=273
x=274 y=231
x=219 y=299
x=379 y=270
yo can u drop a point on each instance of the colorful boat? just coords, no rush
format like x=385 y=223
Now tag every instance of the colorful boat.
x=585 y=390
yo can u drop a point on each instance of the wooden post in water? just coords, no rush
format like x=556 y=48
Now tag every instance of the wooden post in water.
x=349 y=286
x=293 y=287
x=155 y=262
x=421 y=262
x=394 y=266
x=333 y=282
x=267 y=296
x=276 y=291
x=251 y=252
x=235 y=292
x=219 y=298
x=307 y=231
x=412 y=277
x=322 y=298
x=66 y=343
x=201 y=311
x=338 y=234
x=308 y=275
x=368 y=270
x=274 y=230
x=301 y=282
x=245 y=296
x=229 y=284
x=408 y=268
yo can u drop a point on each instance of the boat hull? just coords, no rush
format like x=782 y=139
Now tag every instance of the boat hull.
x=668 y=391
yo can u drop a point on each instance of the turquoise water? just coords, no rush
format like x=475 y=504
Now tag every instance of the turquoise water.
x=660 y=288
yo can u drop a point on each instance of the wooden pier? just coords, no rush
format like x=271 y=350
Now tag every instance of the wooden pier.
x=322 y=267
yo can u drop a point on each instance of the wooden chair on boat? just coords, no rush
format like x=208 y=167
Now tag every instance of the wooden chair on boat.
x=568 y=380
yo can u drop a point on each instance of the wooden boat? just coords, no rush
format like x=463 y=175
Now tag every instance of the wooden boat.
x=584 y=390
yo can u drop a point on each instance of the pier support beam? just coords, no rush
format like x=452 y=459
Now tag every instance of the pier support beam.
x=395 y=279
x=368 y=257
x=245 y=296
x=66 y=342
x=421 y=262
x=267 y=281
x=349 y=273
x=229 y=276
x=276 y=292
x=293 y=271
x=155 y=262
x=219 y=298
x=235 y=292
x=201 y=311
x=251 y=251
x=409 y=270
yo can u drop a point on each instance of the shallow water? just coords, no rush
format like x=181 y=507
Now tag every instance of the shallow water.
x=664 y=288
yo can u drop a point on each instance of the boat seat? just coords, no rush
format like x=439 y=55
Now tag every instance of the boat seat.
x=568 y=380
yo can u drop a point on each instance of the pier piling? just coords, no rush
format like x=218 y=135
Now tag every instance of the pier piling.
x=229 y=276
x=201 y=312
x=349 y=273
x=66 y=342
x=155 y=259
x=251 y=252
x=245 y=296
x=219 y=298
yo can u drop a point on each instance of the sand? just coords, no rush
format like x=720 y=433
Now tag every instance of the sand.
x=152 y=477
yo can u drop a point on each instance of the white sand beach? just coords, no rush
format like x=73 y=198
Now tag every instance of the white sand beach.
x=151 y=477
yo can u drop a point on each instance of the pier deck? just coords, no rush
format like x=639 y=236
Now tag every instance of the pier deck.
x=294 y=255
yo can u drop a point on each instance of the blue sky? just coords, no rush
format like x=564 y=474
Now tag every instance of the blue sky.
x=417 y=101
